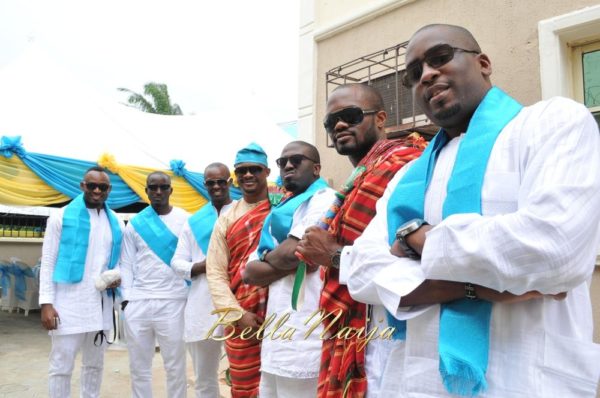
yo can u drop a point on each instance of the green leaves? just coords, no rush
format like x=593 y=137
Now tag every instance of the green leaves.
x=158 y=100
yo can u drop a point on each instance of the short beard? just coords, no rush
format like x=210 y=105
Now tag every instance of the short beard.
x=290 y=186
x=449 y=113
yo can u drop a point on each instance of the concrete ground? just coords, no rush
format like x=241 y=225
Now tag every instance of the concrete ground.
x=24 y=349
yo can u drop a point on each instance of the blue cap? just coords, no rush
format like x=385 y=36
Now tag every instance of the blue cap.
x=253 y=153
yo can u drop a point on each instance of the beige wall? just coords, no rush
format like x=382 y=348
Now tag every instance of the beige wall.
x=596 y=303
x=28 y=250
x=507 y=32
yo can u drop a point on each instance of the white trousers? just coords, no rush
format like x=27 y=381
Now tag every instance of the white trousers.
x=148 y=321
x=62 y=360
x=205 y=356
x=272 y=386
x=384 y=367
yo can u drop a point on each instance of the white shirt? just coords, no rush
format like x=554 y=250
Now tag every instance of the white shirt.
x=143 y=274
x=538 y=231
x=198 y=318
x=301 y=357
x=81 y=308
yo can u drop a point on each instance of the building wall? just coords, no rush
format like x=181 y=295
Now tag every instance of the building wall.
x=596 y=303
x=507 y=31
x=28 y=250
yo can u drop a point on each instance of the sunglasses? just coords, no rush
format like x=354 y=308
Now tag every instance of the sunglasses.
x=212 y=183
x=254 y=170
x=352 y=116
x=435 y=57
x=91 y=186
x=295 y=160
x=155 y=187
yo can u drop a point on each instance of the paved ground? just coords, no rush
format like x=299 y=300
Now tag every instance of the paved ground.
x=24 y=349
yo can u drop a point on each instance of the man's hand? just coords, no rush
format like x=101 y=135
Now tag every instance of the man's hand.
x=396 y=249
x=249 y=319
x=115 y=284
x=485 y=293
x=198 y=268
x=317 y=246
x=50 y=318
x=438 y=292
x=416 y=240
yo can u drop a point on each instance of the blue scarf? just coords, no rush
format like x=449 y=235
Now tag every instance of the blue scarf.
x=156 y=234
x=464 y=324
x=202 y=224
x=279 y=221
x=74 y=240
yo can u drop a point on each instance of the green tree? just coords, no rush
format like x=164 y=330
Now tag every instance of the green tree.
x=156 y=101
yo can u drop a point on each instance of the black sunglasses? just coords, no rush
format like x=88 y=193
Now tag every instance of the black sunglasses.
x=212 y=183
x=240 y=171
x=352 y=116
x=295 y=160
x=91 y=186
x=435 y=57
x=154 y=187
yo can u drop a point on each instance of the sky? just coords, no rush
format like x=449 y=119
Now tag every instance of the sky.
x=212 y=55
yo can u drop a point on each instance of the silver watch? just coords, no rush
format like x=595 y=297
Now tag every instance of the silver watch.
x=406 y=229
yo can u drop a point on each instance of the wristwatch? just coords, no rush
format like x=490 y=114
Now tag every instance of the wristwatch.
x=406 y=229
x=470 y=292
x=263 y=256
x=335 y=258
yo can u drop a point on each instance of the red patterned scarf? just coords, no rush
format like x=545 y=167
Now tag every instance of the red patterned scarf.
x=342 y=371
x=244 y=354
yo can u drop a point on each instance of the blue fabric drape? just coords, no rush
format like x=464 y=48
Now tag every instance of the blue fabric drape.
x=65 y=174
x=196 y=180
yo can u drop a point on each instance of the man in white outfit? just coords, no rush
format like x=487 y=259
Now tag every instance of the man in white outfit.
x=189 y=262
x=154 y=296
x=495 y=291
x=290 y=367
x=82 y=240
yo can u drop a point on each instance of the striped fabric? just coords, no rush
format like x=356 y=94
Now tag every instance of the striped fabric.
x=342 y=363
x=244 y=354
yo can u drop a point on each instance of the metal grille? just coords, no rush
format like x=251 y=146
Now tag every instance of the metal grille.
x=22 y=226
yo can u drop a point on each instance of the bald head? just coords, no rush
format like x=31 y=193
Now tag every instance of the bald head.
x=449 y=75
x=217 y=180
x=371 y=97
x=217 y=166
x=461 y=36
x=160 y=174
x=307 y=149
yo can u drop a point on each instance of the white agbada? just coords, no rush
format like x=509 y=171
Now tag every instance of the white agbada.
x=301 y=357
x=83 y=310
x=198 y=318
x=79 y=305
x=155 y=310
x=205 y=353
x=538 y=231
x=144 y=275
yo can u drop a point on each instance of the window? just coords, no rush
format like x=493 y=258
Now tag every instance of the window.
x=587 y=77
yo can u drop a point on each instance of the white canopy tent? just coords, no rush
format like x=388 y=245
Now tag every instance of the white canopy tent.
x=57 y=115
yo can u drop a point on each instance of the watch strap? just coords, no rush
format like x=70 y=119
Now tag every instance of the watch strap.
x=263 y=256
x=335 y=258
x=470 y=292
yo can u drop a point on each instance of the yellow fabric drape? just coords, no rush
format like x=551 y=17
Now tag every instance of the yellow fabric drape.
x=21 y=186
x=184 y=195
